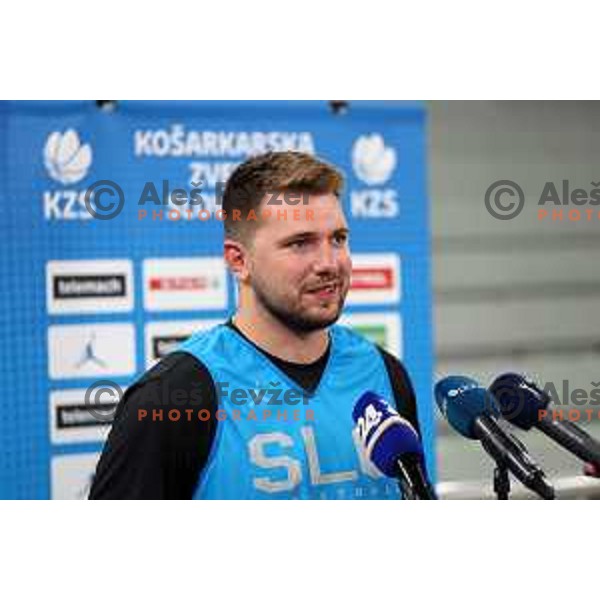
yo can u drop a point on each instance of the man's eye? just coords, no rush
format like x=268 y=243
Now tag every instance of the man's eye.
x=298 y=243
x=341 y=239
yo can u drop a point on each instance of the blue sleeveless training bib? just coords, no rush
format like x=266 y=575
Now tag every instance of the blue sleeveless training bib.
x=273 y=440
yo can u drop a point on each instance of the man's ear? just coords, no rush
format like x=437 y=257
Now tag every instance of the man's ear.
x=236 y=257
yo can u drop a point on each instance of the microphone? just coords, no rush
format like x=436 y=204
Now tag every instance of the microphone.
x=472 y=411
x=521 y=402
x=392 y=444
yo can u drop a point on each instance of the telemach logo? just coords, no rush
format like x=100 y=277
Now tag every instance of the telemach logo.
x=79 y=415
x=89 y=286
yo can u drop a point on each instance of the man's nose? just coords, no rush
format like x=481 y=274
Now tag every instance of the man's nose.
x=327 y=258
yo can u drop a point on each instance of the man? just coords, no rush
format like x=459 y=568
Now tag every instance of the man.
x=261 y=406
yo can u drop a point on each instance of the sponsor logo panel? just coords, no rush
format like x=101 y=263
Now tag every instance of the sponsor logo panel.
x=185 y=284
x=71 y=420
x=71 y=475
x=89 y=286
x=376 y=279
x=94 y=350
x=384 y=329
x=162 y=337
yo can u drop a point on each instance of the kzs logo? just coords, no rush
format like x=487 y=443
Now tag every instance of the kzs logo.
x=373 y=163
x=372 y=160
x=368 y=422
x=65 y=158
x=67 y=161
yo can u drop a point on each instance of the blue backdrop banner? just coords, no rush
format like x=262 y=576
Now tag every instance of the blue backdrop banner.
x=94 y=293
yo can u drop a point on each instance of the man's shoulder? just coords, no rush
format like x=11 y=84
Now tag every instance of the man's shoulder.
x=178 y=380
x=393 y=363
x=207 y=344
x=178 y=367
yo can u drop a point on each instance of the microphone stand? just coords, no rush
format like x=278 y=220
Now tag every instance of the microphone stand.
x=412 y=478
x=501 y=481
x=405 y=482
x=509 y=453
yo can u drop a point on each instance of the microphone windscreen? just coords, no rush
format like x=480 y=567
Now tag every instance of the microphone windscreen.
x=462 y=400
x=519 y=399
x=385 y=435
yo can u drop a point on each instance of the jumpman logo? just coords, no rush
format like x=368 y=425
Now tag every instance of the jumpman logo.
x=89 y=355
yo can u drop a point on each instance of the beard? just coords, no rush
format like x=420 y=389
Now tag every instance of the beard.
x=299 y=320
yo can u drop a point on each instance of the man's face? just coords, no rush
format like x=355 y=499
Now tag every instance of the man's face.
x=299 y=263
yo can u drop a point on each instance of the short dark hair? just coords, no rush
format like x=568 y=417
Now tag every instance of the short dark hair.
x=287 y=171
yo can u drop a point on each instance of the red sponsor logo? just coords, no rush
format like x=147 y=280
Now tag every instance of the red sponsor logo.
x=372 y=278
x=179 y=284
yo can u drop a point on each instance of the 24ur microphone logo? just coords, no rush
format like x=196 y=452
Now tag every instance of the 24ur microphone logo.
x=368 y=422
x=67 y=157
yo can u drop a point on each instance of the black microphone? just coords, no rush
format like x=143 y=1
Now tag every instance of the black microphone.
x=525 y=405
x=472 y=411
x=392 y=445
